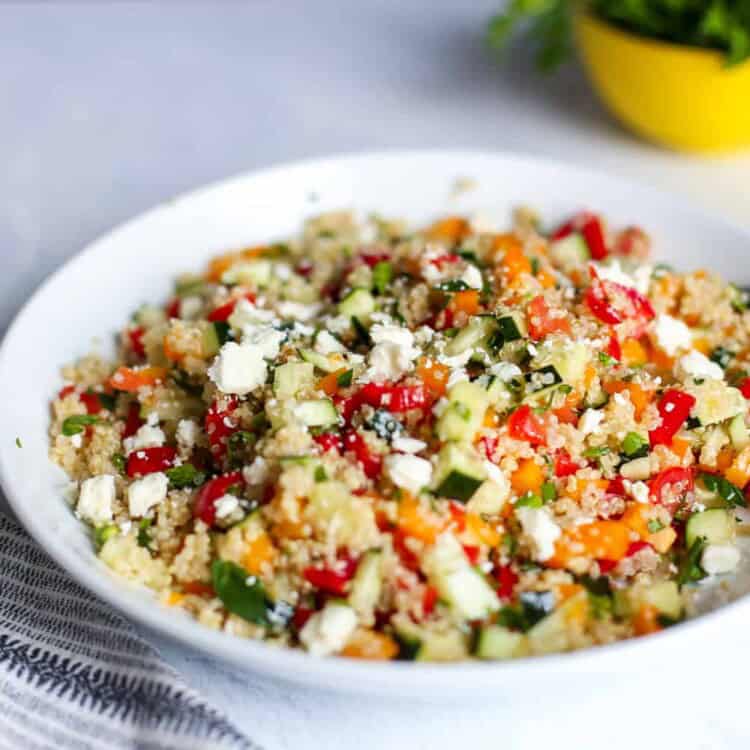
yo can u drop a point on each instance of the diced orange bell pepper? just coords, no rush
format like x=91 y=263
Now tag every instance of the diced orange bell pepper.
x=646 y=620
x=131 y=379
x=702 y=345
x=506 y=242
x=491 y=418
x=418 y=521
x=174 y=598
x=601 y=540
x=329 y=383
x=680 y=447
x=450 y=229
x=466 y=301
x=567 y=590
x=635 y=518
x=739 y=472
x=546 y=279
x=634 y=353
x=482 y=531
x=434 y=375
x=528 y=477
x=514 y=262
x=639 y=397
x=259 y=552
x=581 y=485
x=369 y=644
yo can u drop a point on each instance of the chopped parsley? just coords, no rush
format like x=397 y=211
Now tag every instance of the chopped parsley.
x=77 y=423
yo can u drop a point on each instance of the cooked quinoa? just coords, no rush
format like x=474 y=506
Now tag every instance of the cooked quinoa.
x=442 y=444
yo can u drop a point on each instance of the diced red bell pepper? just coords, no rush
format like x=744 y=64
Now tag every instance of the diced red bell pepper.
x=590 y=226
x=220 y=425
x=173 y=308
x=472 y=553
x=458 y=516
x=677 y=475
x=616 y=486
x=614 y=349
x=91 y=401
x=488 y=445
x=674 y=409
x=744 y=386
x=542 y=322
x=564 y=464
x=633 y=241
x=507 y=578
x=301 y=616
x=330 y=441
x=133 y=422
x=304 y=267
x=373 y=258
x=525 y=425
x=135 y=336
x=149 y=460
x=636 y=547
x=222 y=313
x=429 y=600
x=332 y=580
x=371 y=462
x=599 y=298
x=209 y=493
x=395 y=398
x=445 y=259
x=606 y=566
x=405 y=555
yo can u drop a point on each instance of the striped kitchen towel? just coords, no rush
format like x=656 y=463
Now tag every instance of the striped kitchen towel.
x=76 y=675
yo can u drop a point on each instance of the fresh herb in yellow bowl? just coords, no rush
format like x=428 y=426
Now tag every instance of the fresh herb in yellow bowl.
x=675 y=71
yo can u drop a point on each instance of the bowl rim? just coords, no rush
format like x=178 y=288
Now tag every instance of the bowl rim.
x=294 y=665
x=586 y=16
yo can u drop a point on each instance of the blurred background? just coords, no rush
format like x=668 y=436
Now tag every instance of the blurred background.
x=109 y=108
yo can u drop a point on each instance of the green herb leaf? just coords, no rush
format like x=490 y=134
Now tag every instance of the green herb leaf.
x=722 y=357
x=320 y=474
x=185 y=476
x=690 y=569
x=362 y=334
x=345 y=379
x=724 y=489
x=241 y=594
x=596 y=452
x=453 y=285
x=119 y=462
x=19 y=444
x=144 y=538
x=529 y=500
x=103 y=533
x=606 y=359
x=635 y=445
x=549 y=492
x=77 y=423
x=382 y=274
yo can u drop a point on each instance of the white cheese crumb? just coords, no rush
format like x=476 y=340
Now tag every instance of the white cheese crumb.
x=297 y=310
x=409 y=472
x=590 y=420
x=720 y=558
x=638 y=491
x=458 y=375
x=325 y=343
x=187 y=434
x=393 y=353
x=96 y=498
x=540 y=527
x=256 y=472
x=327 y=631
x=76 y=440
x=265 y=337
x=146 y=493
x=458 y=361
x=697 y=365
x=505 y=371
x=672 y=334
x=146 y=437
x=238 y=368
x=226 y=505
x=408 y=445
x=472 y=277
x=246 y=313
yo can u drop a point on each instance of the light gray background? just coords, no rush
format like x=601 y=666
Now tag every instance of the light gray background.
x=107 y=109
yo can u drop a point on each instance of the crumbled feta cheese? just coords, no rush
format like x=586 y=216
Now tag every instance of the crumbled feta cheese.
x=505 y=371
x=226 y=505
x=256 y=472
x=672 y=334
x=246 y=313
x=590 y=420
x=153 y=419
x=146 y=493
x=266 y=338
x=338 y=323
x=638 y=491
x=327 y=631
x=283 y=271
x=458 y=361
x=459 y=375
x=423 y=335
x=187 y=434
x=642 y=276
x=408 y=472
x=408 y=445
x=238 y=368
x=494 y=473
x=540 y=527
x=720 y=558
x=697 y=365
x=190 y=307
x=472 y=277
x=613 y=271
x=96 y=498
x=393 y=353
x=325 y=343
x=297 y=310
x=146 y=437
x=76 y=440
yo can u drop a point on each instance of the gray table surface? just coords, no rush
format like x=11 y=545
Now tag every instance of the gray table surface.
x=107 y=109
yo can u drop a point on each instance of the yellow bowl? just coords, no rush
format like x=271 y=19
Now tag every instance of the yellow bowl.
x=680 y=96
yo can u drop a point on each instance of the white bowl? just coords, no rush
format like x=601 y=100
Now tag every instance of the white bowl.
x=90 y=297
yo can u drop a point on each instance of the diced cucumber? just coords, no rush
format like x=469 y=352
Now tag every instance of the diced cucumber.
x=291 y=378
x=569 y=359
x=309 y=462
x=665 y=596
x=465 y=591
x=359 y=303
x=570 y=252
x=512 y=327
x=344 y=519
x=188 y=285
x=317 y=413
x=257 y=272
x=449 y=646
x=490 y=497
x=715 y=402
x=738 y=432
x=554 y=632
x=367 y=584
x=319 y=360
x=215 y=335
x=541 y=383
x=716 y=525
x=148 y=316
x=467 y=403
x=473 y=334
x=458 y=473
x=496 y=642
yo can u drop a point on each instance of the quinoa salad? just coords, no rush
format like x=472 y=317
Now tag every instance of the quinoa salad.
x=440 y=443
